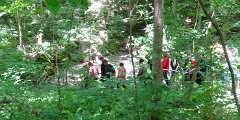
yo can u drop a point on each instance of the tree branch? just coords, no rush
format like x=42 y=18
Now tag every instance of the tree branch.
x=215 y=25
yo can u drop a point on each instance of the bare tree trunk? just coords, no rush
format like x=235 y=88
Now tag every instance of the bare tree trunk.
x=59 y=97
x=210 y=24
x=157 y=51
x=198 y=17
x=59 y=104
x=174 y=6
x=20 y=35
x=197 y=26
x=132 y=6
x=193 y=79
x=215 y=25
x=158 y=41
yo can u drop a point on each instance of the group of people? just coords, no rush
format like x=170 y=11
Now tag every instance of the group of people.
x=172 y=66
x=169 y=66
x=189 y=65
x=107 y=70
x=167 y=63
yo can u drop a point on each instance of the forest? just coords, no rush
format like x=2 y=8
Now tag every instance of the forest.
x=119 y=59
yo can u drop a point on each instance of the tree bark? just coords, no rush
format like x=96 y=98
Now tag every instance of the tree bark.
x=215 y=25
x=198 y=17
x=20 y=35
x=192 y=81
x=197 y=27
x=209 y=24
x=132 y=10
x=174 y=6
x=158 y=41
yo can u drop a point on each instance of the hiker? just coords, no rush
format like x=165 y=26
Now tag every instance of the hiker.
x=141 y=70
x=203 y=67
x=189 y=65
x=93 y=71
x=103 y=73
x=101 y=58
x=108 y=69
x=121 y=75
x=174 y=66
x=165 y=67
x=121 y=71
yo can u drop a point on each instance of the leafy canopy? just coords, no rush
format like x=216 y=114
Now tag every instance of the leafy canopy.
x=53 y=6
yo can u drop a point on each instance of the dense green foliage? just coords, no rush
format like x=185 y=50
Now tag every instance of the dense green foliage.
x=208 y=102
x=30 y=86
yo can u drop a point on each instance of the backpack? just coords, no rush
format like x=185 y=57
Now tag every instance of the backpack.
x=174 y=64
x=94 y=70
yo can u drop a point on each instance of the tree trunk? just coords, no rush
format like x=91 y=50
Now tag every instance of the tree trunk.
x=174 y=6
x=198 y=17
x=20 y=35
x=209 y=24
x=158 y=41
x=197 y=27
x=215 y=25
x=132 y=10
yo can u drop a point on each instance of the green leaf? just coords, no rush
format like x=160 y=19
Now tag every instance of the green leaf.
x=238 y=67
x=237 y=24
x=1 y=52
x=149 y=71
x=84 y=3
x=53 y=6
x=2 y=1
x=77 y=2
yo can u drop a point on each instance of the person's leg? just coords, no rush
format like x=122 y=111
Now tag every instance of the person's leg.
x=199 y=79
x=166 y=77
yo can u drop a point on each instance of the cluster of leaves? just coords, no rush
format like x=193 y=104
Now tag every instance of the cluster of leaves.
x=109 y=102
x=105 y=100
x=13 y=67
x=37 y=61
x=55 y=5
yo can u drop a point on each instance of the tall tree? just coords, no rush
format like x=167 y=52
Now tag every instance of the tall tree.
x=132 y=11
x=174 y=5
x=158 y=40
x=222 y=40
x=20 y=35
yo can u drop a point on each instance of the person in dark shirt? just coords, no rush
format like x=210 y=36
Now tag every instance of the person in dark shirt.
x=174 y=65
x=108 y=69
x=142 y=70
x=203 y=67
x=103 y=73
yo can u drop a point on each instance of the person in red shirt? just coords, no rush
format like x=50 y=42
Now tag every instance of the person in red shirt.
x=191 y=59
x=165 y=66
x=121 y=71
